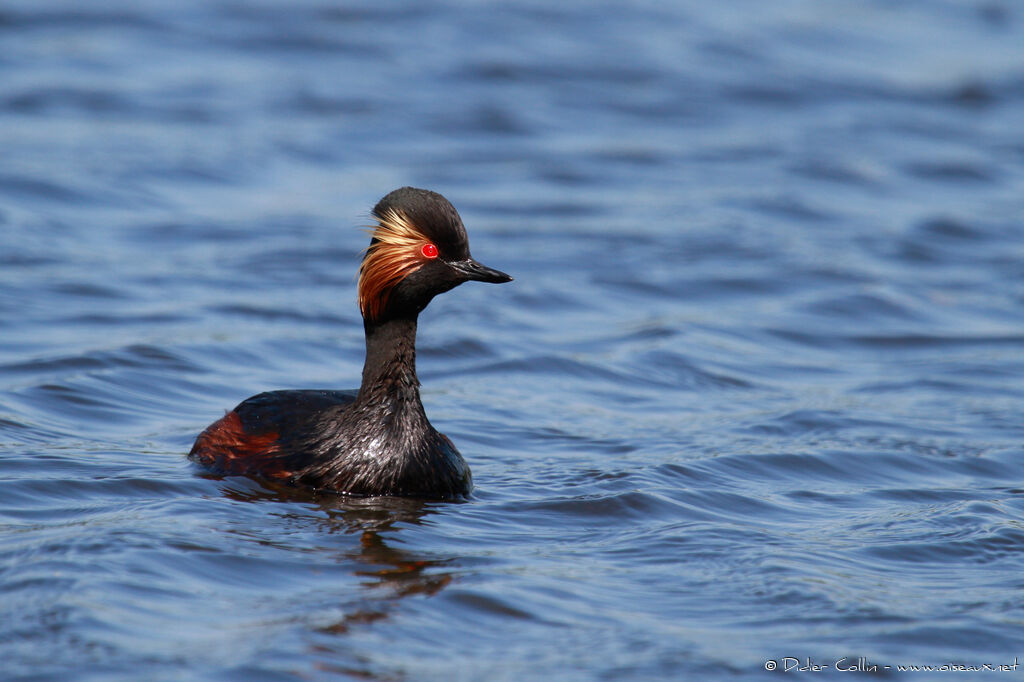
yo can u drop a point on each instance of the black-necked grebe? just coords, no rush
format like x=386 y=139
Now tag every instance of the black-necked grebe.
x=377 y=440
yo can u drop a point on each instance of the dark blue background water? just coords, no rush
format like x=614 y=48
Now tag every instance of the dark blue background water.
x=756 y=392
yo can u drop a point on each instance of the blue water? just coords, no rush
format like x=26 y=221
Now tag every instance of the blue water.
x=757 y=391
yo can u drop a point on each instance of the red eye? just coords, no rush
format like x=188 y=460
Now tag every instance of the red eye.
x=429 y=251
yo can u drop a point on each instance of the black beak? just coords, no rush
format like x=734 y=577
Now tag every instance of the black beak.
x=479 y=272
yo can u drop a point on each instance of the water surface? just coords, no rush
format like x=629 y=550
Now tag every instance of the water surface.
x=756 y=391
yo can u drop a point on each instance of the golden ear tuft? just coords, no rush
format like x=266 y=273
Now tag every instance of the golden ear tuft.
x=394 y=253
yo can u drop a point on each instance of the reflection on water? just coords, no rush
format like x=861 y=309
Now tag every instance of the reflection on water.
x=391 y=573
x=387 y=573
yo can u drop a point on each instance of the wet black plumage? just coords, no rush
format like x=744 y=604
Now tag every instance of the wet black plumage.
x=377 y=440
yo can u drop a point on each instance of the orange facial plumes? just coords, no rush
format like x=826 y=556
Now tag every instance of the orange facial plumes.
x=395 y=253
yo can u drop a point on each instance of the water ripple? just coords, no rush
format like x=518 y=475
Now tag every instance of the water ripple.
x=754 y=392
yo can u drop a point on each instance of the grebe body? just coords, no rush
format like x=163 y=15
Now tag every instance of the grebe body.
x=376 y=440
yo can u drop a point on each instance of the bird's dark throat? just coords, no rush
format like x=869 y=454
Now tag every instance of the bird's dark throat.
x=389 y=373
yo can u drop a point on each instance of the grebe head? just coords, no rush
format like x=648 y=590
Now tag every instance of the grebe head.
x=418 y=249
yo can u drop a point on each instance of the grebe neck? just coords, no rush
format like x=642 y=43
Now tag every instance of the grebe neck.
x=389 y=374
